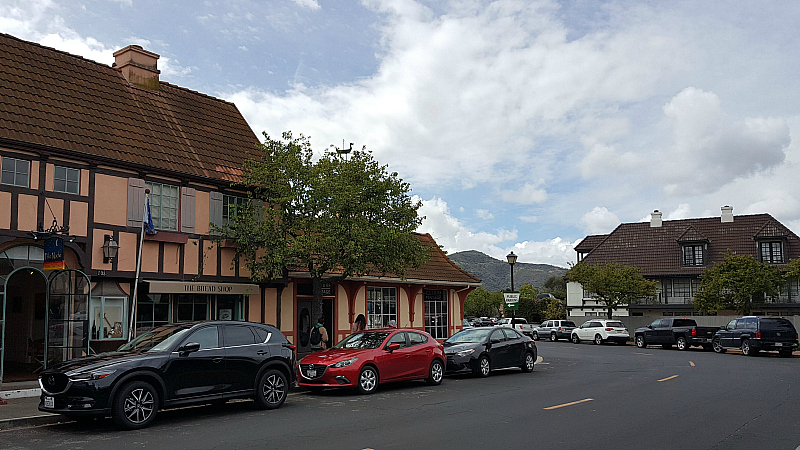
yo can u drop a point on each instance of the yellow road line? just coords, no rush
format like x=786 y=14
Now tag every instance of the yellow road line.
x=691 y=363
x=569 y=404
x=668 y=378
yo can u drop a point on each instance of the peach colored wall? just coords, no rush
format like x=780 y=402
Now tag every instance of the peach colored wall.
x=34 y=175
x=27 y=212
x=111 y=200
x=343 y=320
x=270 y=306
x=172 y=257
x=402 y=308
x=84 y=189
x=228 y=269
x=150 y=256
x=287 y=308
x=255 y=307
x=243 y=270
x=202 y=211
x=190 y=254
x=98 y=237
x=54 y=207
x=126 y=257
x=49 y=170
x=209 y=258
x=5 y=210
x=78 y=218
x=419 y=311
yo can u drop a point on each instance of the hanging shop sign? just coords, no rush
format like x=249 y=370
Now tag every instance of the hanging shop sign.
x=54 y=254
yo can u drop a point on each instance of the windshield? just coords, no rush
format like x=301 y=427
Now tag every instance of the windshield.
x=474 y=335
x=365 y=340
x=156 y=340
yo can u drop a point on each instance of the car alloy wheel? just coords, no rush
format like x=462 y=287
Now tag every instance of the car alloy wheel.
x=717 y=345
x=484 y=367
x=746 y=349
x=135 y=406
x=535 y=336
x=435 y=373
x=575 y=339
x=640 y=342
x=272 y=390
x=529 y=363
x=553 y=337
x=368 y=380
x=598 y=340
x=681 y=343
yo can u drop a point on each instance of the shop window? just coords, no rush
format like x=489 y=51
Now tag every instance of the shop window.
x=436 y=313
x=230 y=307
x=152 y=311
x=381 y=306
x=231 y=205
x=108 y=318
x=164 y=206
x=67 y=180
x=15 y=172
x=191 y=308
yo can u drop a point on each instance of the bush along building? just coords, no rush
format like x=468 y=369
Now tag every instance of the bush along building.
x=82 y=146
x=676 y=252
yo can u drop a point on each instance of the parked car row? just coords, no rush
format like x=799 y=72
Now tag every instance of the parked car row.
x=554 y=330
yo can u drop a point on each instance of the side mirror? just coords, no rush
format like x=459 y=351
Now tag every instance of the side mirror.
x=393 y=346
x=495 y=340
x=189 y=348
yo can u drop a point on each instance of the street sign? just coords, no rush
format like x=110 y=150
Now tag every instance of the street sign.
x=512 y=300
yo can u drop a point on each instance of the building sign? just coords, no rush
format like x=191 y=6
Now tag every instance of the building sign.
x=187 y=287
x=54 y=254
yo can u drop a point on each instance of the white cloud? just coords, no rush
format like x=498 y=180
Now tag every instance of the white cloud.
x=529 y=219
x=528 y=194
x=682 y=211
x=484 y=214
x=599 y=221
x=310 y=4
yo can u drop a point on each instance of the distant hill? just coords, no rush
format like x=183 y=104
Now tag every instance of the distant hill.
x=496 y=275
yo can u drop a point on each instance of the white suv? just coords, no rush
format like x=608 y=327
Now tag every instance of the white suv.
x=601 y=330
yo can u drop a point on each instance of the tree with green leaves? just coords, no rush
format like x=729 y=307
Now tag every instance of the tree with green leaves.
x=482 y=303
x=557 y=286
x=734 y=282
x=612 y=284
x=529 y=307
x=793 y=270
x=335 y=217
x=556 y=309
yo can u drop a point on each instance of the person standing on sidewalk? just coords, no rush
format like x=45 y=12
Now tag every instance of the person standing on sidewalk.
x=359 y=325
x=319 y=336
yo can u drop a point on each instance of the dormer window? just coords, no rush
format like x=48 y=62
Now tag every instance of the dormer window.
x=771 y=252
x=692 y=255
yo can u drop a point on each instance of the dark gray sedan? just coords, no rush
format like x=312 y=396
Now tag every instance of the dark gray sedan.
x=481 y=350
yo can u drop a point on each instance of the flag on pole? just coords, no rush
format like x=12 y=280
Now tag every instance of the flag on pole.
x=149 y=228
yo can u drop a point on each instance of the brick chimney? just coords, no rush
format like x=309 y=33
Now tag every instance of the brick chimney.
x=655 y=219
x=138 y=66
x=727 y=214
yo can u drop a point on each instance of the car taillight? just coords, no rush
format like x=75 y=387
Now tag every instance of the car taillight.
x=694 y=332
x=559 y=328
x=609 y=329
x=758 y=335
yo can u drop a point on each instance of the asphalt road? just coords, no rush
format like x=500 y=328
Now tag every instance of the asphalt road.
x=580 y=396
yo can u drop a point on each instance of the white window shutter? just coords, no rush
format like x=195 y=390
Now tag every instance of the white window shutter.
x=215 y=213
x=135 y=202
x=187 y=209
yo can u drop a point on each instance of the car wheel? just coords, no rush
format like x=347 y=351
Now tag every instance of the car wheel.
x=717 y=346
x=785 y=354
x=135 y=405
x=747 y=350
x=681 y=343
x=598 y=340
x=435 y=373
x=272 y=389
x=483 y=368
x=553 y=337
x=640 y=342
x=575 y=339
x=535 y=336
x=527 y=366
x=368 y=380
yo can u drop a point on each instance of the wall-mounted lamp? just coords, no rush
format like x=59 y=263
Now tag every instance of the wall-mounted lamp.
x=110 y=249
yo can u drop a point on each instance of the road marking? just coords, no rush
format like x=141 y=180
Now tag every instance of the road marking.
x=569 y=404
x=668 y=378
x=539 y=360
x=691 y=363
x=643 y=354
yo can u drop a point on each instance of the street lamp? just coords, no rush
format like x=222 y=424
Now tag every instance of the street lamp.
x=512 y=259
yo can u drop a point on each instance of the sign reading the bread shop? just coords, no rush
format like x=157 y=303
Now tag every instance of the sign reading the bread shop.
x=188 y=287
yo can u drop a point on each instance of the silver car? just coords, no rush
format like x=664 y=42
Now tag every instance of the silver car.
x=554 y=330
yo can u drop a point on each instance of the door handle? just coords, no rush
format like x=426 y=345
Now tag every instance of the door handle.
x=218 y=359
x=428 y=351
x=261 y=352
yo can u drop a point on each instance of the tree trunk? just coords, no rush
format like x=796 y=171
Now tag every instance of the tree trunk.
x=610 y=311
x=316 y=303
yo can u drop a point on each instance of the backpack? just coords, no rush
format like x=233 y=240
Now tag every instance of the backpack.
x=316 y=336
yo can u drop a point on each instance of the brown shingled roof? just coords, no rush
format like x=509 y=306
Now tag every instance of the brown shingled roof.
x=590 y=242
x=657 y=251
x=439 y=267
x=54 y=99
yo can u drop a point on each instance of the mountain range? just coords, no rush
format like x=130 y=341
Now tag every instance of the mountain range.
x=495 y=274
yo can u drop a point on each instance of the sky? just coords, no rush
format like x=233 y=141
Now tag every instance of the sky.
x=521 y=125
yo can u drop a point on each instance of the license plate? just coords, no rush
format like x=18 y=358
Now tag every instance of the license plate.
x=49 y=402
x=778 y=344
x=311 y=373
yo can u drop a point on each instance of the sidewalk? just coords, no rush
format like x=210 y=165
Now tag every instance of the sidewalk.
x=21 y=408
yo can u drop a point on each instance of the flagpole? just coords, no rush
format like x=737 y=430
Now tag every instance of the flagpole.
x=138 y=268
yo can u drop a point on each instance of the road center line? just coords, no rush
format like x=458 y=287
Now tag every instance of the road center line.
x=668 y=378
x=691 y=363
x=569 y=404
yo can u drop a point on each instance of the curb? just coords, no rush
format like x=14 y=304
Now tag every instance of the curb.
x=32 y=421
x=21 y=393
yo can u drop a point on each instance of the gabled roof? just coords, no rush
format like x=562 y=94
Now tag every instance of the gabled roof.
x=657 y=251
x=590 y=242
x=439 y=267
x=55 y=101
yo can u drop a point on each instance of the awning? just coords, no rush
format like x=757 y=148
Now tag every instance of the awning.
x=191 y=287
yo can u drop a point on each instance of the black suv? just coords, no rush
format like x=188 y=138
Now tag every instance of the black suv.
x=176 y=364
x=753 y=333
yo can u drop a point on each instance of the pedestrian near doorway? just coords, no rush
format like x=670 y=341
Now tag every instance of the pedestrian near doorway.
x=359 y=325
x=319 y=336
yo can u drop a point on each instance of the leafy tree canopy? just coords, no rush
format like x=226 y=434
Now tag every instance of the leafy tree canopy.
x=482 y=303
x=732 y=284
x=612 y=284
x=557 y=286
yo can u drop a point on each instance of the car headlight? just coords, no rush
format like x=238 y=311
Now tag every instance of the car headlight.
x=93 y=375
x=465 y=352
x=344 y=363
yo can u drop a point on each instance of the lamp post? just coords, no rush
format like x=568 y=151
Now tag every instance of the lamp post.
x=512 y=259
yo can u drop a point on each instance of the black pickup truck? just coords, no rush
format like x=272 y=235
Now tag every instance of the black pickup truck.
x=681 y=332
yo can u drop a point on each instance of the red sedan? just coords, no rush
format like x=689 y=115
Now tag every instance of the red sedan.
x=365 y=359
